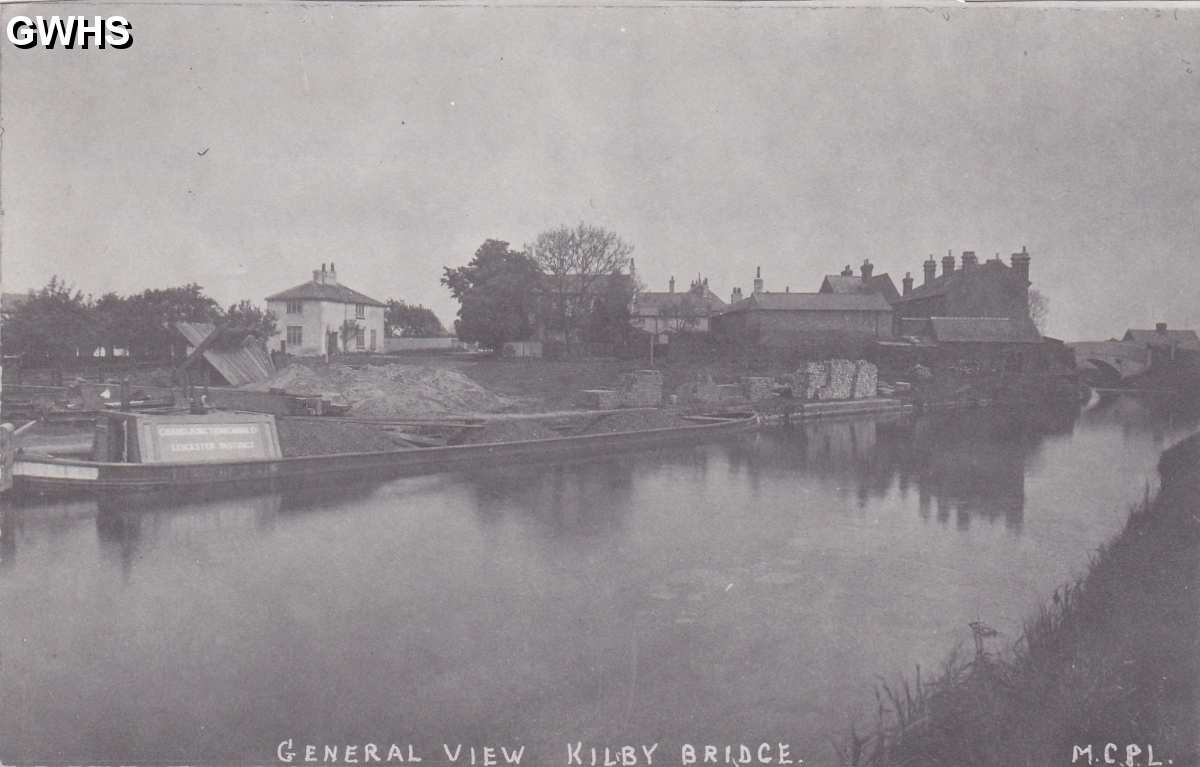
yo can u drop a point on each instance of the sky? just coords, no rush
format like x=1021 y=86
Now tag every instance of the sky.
x=240 y=146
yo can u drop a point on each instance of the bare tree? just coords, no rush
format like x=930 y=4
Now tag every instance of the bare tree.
x=1039 y=309
x=576 y=261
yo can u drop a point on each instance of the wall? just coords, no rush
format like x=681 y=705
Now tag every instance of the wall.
x=988 y=293
x=321 y=317
x=652 y=323
x=405 y=344
x=776 y=326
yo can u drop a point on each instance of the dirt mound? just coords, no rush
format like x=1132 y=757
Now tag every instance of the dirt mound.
x=327 y=436
x=389 y=390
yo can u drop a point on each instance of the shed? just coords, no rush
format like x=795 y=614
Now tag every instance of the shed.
x=236 y=356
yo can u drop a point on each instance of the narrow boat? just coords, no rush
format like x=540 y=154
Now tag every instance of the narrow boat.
x=151 y=452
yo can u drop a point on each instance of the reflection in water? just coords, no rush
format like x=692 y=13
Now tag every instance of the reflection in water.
x=963 y=464
x=740 y=590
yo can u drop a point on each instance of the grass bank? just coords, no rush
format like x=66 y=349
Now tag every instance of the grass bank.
x=1112 y=658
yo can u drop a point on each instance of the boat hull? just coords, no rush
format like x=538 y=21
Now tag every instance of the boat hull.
x=42 y=474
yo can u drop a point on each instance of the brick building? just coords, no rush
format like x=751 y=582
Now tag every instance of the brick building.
x=783 y=319
x=989 y=289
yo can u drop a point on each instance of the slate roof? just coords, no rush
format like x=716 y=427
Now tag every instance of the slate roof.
x=652 y=302
x=939 y=285
x=813 y=302
x=842 y=284
x=1120 y=349
x=1183 y=339
x=982 y=330
x=240 y=359
x=316 y=291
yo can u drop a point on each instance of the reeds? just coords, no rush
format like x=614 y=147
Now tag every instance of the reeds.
x=1003 y=707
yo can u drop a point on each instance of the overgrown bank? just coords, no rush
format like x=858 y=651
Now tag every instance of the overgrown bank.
x=1112 y=659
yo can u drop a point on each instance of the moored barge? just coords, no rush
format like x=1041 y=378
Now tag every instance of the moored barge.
x=135 y=452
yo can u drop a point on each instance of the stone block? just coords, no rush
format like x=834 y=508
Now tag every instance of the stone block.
x=840 y=384
x=599 y=399
x=641 y=388
x=866 y=380
x=756 y=388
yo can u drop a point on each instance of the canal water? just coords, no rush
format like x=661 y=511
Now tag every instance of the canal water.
x=738 y=592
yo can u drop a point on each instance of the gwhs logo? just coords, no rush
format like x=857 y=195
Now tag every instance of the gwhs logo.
x=70 y=32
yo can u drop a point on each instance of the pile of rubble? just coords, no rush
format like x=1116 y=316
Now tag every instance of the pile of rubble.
x=389 y=390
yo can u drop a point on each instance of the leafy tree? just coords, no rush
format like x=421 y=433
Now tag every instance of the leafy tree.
x=412 y=320
x=54 y=326
x=495 y=291
x=576 y=261
x=608 y=320
x=154 y=312
x=245 y=314
x=115 y=325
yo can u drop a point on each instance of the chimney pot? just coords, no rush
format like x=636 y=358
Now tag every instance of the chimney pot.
x=867 y=270
x=969 y=260
x=847 y=272
x=1020 y=264
x=1160 y=327
x=907 y=282
x=671 y=284
x=930 y=269
x=947 y=264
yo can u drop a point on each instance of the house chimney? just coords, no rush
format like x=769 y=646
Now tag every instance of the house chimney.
x=930 y=269
x=907 y=282
x=847 y=272
x=671 y=284
x=735 y=296
x=787 y=288
x=948 y=263
x=331 y=277
x=758 y=283
x=969 y=261
x=867 y=270
x=1160 y=327
x=1020 y=264
x=632 y=268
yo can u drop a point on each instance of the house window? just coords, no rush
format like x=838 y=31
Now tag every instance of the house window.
x=360 y=311
x=295 y=335
x=360 y=338
x=295 y=307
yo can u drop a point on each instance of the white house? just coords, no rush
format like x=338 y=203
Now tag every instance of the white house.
x=311 y=317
